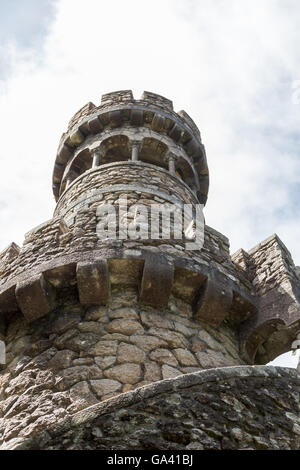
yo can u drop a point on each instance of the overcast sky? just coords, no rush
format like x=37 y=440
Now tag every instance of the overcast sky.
x=230 y=64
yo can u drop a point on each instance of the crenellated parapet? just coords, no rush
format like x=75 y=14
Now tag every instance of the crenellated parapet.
x=272 y=330
x=258 y=293
x=214 y=294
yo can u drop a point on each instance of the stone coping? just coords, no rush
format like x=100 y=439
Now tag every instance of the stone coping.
x=126 y=187
x=140 y=394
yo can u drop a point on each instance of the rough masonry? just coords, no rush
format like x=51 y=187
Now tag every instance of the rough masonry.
x=89 y=319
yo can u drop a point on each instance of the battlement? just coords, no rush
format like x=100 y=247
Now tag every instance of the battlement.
x=264 y=304
x=157 y=100
x=10 y=253
x=84 y=111
x=125 y=97
x=270 y=269
x=117 y=97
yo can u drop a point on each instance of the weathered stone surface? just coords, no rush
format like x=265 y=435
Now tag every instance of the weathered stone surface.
x=185 y=357
x=127 y=373
x=205 y=337
x=8 y=303
x=97 y=314
x=10 y=253
x=273 y=274
x=81 y=341
x=198 y=345
x=90 y=327
x=83 y=361
x=104 y=348
x=128 y=313
x=124 y=326
x=215 y=300
x=105 y=362
x=95 y=125
x=64 y=322
x=163 y=356
x=76 y=137
x=93 y=283
x=114 y=337
x=148 y=342
x=199 y=414
x=35 y=297
x=105 y=387
x=2 y=353
x=150 y=319
x=173 y=339
x=185 y=330
x=61 y=360
x=212 y=359
x=152 y=372
x=81 y=397
x=158 y=276
x=130 y=353
x=20 y=344
x=72 y=375
x=170 y=372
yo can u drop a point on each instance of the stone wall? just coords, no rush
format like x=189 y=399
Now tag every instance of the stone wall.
x=253 y=408
x=123 y=177
x=77 y=357
x=270 y=269
x=267 y=272
x=267 y=265
x=73 y=229
x=48 y=242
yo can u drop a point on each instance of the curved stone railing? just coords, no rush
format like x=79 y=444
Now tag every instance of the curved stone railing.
x=249 y=408
x=125 y=177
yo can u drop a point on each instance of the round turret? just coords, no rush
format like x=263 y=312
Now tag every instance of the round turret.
x=126 y=285
x=122 y=129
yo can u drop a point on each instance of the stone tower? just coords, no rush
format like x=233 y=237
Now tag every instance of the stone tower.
x=86 y=318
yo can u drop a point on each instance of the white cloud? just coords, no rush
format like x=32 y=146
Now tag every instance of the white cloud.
x=286 y=360
x=229 y=64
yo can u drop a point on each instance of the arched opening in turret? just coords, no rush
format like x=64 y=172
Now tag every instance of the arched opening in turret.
x=185 y=171
x=157 y=153
x=121 y=147
x=281 y=347
x=76 y=168
x=153 y=151
x=115 y=149
x=82 y=163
